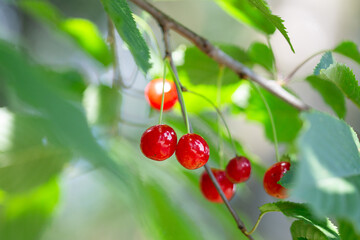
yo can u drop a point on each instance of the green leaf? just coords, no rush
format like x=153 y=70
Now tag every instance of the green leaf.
x=263 y=7
x=328 y=173
x=345 y=80
x=30 y=211
x=348 y=49
x=30 y=156
x=202 y=70
x=347 y=230
x=286 y=117
x=121 y=15
x=303 y=230
x=244 y=12
x=41 y=9
x=66 y=119
x=331 y=94
x=302 y=212
x=325 y=61
x=85 y=34
x=262 y=55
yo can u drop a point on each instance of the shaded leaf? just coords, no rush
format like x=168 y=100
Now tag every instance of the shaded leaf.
x=244 y=12
x=345 y=80
x=328 y=173
x=325 y=61
x=302 y=212
x=262 y=55
x=348 y=49
x=121 y=15
x=331 y=94
x=347 y=230
x=303 y=230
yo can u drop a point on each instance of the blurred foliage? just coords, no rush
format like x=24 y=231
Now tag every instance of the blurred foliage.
x=25 y=215
x=329 y=167
x=82 y=31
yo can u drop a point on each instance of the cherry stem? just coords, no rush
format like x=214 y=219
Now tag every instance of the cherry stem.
x=175 y=76
x=219 y=114
x=256 y=224
x=163 y=93
x=218 y=103
x=271 y=120
x=292 y=73
x=179 y=90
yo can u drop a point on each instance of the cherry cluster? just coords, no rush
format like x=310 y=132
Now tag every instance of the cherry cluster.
x=159 y=143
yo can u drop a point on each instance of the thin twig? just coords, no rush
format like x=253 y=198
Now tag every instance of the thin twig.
x=239 y=223
x=288 y=78
x=219 y=56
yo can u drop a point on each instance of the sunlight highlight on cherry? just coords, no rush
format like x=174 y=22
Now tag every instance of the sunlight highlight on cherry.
x=153 y=93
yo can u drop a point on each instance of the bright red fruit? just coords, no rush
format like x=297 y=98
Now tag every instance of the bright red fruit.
x=238 y=169
x=192 y=151
x=272 y=176
x=153 y=93
x=208 y=188
x=158 y=142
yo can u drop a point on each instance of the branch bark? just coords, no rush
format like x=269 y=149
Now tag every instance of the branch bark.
x=219 y=56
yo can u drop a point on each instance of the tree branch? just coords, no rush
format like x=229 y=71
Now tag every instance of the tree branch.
x=179 y=90
x=219 y=56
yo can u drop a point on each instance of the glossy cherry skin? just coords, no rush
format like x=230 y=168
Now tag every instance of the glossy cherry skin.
x=271 y=178
x=238 y=169
x=153 y=93
x=208 y=188
x=192 y=151
x=158 y=142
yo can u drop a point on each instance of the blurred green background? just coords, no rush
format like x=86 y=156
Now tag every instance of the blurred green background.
x=61 y=178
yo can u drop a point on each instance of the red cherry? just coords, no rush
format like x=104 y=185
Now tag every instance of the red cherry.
x=192 y=151
x=272 y=176
x=158 y=142
x=153 y=93
x=238 y=169
x=208 y=188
